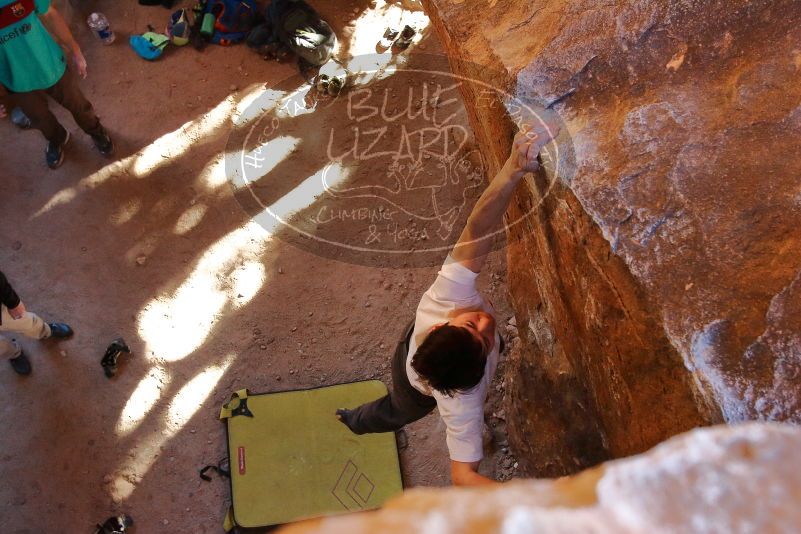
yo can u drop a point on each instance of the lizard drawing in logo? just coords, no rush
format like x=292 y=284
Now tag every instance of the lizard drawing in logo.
x=431 y=187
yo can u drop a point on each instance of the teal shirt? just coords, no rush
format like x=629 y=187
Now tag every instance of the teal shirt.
x=29 y=57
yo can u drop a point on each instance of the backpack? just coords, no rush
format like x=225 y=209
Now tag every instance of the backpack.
x=233 y=20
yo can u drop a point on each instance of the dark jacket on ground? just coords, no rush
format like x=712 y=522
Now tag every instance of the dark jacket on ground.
x=297 y=26
x=8 y=297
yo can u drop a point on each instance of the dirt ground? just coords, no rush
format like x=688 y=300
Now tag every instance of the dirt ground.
x=155 y=246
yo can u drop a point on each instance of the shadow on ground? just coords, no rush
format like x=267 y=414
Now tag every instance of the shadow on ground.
x=156 y=248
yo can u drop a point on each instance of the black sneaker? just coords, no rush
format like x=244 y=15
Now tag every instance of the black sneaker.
x=60 y=330
x=104 y=144
x=19 y=119
x=54 y=155
x=21 y=364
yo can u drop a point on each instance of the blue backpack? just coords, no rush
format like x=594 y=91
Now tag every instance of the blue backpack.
x=233 y=20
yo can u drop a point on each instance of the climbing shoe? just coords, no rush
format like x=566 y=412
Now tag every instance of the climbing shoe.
x=21 y=364
x=104 y=144
x=388 y=39
x=321 y=84
x=60 y=330
x=111 y=356
x=54 y=155
x=335 y=85
x=345 y=417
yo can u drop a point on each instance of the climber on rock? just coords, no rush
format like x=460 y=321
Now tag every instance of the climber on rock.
x=448 y=355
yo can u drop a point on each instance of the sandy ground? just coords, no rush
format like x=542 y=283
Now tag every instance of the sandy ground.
x=154 y=246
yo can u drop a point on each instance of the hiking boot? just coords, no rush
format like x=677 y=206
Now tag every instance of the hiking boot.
x=60 y=330
x=104 y=143
x=54 y=155
x=19 y=119
x=21 y=364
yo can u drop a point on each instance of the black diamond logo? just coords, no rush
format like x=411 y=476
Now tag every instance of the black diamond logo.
x=353 y=488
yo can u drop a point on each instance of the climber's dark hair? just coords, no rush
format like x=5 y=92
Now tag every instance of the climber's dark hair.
x=450 y=360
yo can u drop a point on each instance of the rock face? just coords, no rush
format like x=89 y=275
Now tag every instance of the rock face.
x=657 y=286
x=722 y=479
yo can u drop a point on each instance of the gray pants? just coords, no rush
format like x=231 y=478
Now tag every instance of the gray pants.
x=402 y=406
x=30 y=325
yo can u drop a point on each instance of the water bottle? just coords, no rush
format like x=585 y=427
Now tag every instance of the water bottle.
x=98 y=23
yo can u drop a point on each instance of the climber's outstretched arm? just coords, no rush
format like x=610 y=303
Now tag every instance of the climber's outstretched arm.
x=476 y=239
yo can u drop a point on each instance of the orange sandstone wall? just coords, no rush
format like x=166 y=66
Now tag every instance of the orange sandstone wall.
x=656 y=279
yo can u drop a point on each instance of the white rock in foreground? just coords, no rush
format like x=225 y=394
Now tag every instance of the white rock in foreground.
x=740 y=479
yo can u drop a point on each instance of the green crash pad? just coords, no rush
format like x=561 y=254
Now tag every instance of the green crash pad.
x=292 y=459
